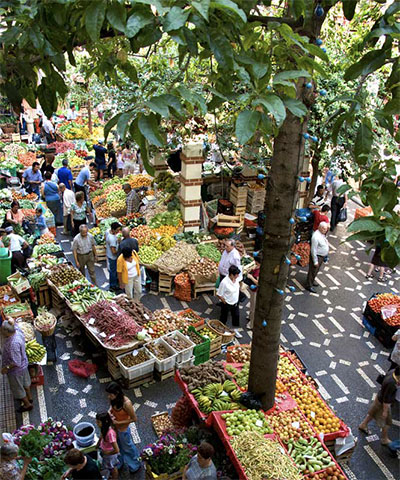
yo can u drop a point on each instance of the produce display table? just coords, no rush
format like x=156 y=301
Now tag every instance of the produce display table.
x=382 y=328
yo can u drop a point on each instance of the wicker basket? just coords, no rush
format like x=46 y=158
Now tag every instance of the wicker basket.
x=227 y=336
x=49 y=332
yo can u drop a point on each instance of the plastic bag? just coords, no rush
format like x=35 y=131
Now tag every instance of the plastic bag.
x=81 y=368
x=342 y=215
x=251 y=400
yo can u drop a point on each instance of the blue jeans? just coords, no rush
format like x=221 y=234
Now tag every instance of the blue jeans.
x=129 y=454
x=112 y=270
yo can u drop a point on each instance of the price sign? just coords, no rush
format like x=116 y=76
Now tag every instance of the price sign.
x=312 y=414
x=103 y=335
x=259 y=423
x=6 y=298
x=135 y=352
x=92 y=321
x=296 y=425
x=146 y=316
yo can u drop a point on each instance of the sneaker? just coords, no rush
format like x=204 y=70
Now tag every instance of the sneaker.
x=237 y=334
x=311 y=289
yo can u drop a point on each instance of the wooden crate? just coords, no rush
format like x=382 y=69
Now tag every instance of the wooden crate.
x=160 y=376
x=205 y=287
x=215 y=344
x=239 y=210
x=101 y=253
x=346 y=456
x=44 y=296
x=215 y=351
x=57 y=302
x=165 y=283
x=112 y=364
x=238 y=195
x=136 y=382
x=234 y=221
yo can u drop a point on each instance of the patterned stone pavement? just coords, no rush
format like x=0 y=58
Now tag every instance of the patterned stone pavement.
x=324 y=328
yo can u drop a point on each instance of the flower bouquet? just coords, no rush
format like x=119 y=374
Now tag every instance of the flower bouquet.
x=167 y=457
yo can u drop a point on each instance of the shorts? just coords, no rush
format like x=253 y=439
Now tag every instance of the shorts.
x=18 y=382
x=110 y=461
x=376 y=410
x=101 y=166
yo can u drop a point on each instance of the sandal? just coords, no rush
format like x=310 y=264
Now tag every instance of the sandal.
x=369 y=276
x=364 y=430
x=382 y=279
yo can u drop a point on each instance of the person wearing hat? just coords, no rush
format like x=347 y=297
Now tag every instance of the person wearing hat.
x=64 y=175
x=100 y=158
x=16 y=246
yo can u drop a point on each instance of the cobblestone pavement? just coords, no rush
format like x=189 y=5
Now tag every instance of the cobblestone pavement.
x=324 y=328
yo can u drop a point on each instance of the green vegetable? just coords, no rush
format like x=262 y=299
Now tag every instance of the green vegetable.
x=45 y=248
x=32 y=444
x=209 y=250
x=37 y=280
x=166 y=218
x=48 y=469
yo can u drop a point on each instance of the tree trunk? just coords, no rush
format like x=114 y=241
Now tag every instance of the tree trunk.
x=90 y=122
x=281 y=199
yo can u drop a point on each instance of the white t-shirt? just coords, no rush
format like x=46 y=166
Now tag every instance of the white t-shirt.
x=335 y=187
x=229 y=290
x=132 y=270
x=16 y=242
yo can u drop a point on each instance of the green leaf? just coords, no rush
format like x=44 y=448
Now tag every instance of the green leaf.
x=116 y=15
x=361 y=236
x=191 y=41
x=296 y=107
x=349 y=7
x=175 y=19
x=246 y=125
x=148 y=126
x=393 y=107
x=274 y=105
x=123 y=124
x=317 y=51
x=94 y=18
x=337 y=126
x=230 y=6
x=193 y=98
x=311 y=65
x=159 y=105
x=110 y=125
x=388 y=197
x=202 y=6
x=222 y=49
x=370 y=62
x=363 y=143
x=392 y=234
x=290 y=75
x=369 y=224
x=389 y=256
x=297 y=7
x=136 y=22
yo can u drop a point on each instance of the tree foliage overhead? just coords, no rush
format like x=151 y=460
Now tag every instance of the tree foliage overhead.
x=262 y=56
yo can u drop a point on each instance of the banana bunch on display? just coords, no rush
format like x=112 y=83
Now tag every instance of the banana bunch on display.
x=34 y=351
x=217 y=397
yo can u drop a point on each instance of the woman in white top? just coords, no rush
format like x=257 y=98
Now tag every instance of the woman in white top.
x=128 y=271
x=120 y=163
x=128 y=156
x=228 y=293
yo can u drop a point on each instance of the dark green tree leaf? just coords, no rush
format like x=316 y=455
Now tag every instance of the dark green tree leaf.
x=246 y=125
x=274 y=105
x=148 y=126
x=159 y=105
x=123 y=124
x=116 y=15
x=369 y=224
x=94 y=18
x=296 y=107
x=229 y=6
x=290 y=75
x=363 y=144
x=202 y=6
x=297 y=7
x=175 y=19
x=110 y=125
x=392 y=234
x=136 y=22
x=370 y=62
x=349 y=7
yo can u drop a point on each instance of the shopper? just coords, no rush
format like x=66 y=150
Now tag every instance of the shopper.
x=395 y=355
x=79 y=212
x=228 y=293
x=320 y=216
x=252 y=281
x=112 y=253
x=230 y=256
x=84 y=250
x=380 y=409
x=108 y=445
x=72 y=114
x=127 y=241
x=40 y=222
x=123 y=414
x=14 y=364
x=100 y=158
x=83 y=178
x=339 y=201
x=128 y=270
x=201 y=465
x=32 y=179
x=128 y=158
x=120 y=163
x=68 y=199
x=48 y=130
x=133 y=200
x=14 y=216
x=51 y=196
x=9 y=468
x=64 y=175
x=318 y=255
x=81 y=467
x=16 y=245
x=376 y=261
x=318 y=199
x=112 y=160
x=48 y=164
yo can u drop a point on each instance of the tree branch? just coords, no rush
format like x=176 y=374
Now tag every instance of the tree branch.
x=266 y=20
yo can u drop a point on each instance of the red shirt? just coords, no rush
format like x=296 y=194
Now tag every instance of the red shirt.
x=318 y=218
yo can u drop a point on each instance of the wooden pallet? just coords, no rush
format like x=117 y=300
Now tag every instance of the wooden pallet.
x=216 y=351
x=238 y=195
x=205 y=287
x=165 y=283
x=136 y=382
x=234 y=221
x=160 y=376
x=44 y=296
x=101 y=253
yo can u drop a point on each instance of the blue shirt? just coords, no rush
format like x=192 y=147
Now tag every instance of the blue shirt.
x=83 y=176
x=31 y=176
x=329 y=177
x=41 y=223
x=100 y=157
x=51 y=191
x=64 y=176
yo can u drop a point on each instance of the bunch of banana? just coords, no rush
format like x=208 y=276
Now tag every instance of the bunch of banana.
x=167 y=242
x=34 y=351
x=217 y=397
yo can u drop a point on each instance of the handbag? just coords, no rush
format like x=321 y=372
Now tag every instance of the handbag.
x=380 y=378
x=342 y=215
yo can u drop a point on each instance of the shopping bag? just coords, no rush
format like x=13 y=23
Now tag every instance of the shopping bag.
x=342 y=215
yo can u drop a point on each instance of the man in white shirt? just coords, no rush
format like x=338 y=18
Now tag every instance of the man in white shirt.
x=48 y=130
x=318 y=255
x=68 y=198
x=230 y=256
x=16 y=246
x=228 y=293
x=72 y=114
x=339 y=201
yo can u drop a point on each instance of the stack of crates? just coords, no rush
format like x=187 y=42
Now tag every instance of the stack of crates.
x=255 y=200
x=238 y=196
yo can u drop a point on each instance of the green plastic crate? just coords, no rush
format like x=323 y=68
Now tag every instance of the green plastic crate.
x=204 y=347
x=202 y=358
